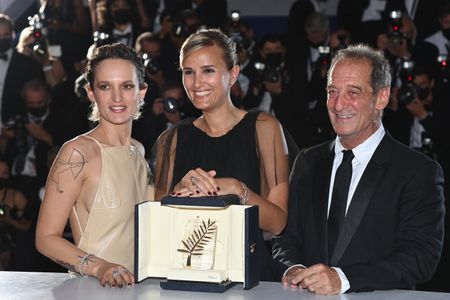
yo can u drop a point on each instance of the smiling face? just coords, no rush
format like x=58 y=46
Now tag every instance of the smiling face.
x=206 y=78
x=354 y=110
x=116 y=91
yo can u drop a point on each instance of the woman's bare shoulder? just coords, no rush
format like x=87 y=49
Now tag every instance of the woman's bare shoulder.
x=265 y=121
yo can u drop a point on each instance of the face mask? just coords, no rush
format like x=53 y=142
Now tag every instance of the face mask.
x=38 y=112
x=317 y=44
x=422 y=93
x=122 y=16
x=5 y=45
x=274 y=59
x=4 y=182
x=446 y=33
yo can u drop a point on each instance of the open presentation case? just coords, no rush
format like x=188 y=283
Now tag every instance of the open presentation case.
x=198 y=244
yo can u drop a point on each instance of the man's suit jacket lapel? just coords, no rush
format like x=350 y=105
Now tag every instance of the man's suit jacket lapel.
x=321 y=186
x=363 y=193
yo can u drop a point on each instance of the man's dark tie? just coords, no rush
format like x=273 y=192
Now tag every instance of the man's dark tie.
x=4 y=56
x=339 y=200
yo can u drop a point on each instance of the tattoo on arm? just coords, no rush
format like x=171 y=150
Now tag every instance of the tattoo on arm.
x=74 y=165
x=66 y=265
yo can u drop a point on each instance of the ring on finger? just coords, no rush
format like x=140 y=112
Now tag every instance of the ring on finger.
x=122 y=270
x=115 y=273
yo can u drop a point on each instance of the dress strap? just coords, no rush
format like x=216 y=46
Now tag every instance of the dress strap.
x=97 y=142
x=78 y=219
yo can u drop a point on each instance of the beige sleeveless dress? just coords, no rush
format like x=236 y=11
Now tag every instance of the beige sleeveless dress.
x=109 y=232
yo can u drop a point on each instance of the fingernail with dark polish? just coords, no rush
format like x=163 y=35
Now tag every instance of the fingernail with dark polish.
x=197 y=191
x=214 y=193
x=178 y=194
x=218 y=188
x=190 y=194
x=173 y=193
x=209 y=193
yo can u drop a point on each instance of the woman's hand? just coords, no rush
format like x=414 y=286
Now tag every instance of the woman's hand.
x=197 y=183
x=114 y=275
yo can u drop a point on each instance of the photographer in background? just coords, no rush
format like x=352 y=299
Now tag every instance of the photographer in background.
x=15 y=70
x=167 y=110
x=441 y=38
x=67 y=29
x=148 y=46
x=32 y=44
x=317 y=122
x=29 y=139
x=15 y=224
x=399 y=44
x=418 y=116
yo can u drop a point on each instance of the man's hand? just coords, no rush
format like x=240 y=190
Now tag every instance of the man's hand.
x=38 y=132
x=158 y=107
x=275 y=88
x=174 y=117
x=319 y=279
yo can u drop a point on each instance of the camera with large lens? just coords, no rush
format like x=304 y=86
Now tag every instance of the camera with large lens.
x=443 y=68
x=152 y=66
x=235 y=35
x=324 y=59
x=3 y=209
x=170 y=104
x=101 y=38
x=272 y=69
x=39 y=46
x=17 y=124
x=395 y=24
x=179 y=27
x=407 y=92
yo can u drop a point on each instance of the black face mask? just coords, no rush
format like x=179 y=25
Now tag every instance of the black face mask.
x=446 y=33
x=274 y=59
x=5 y=45
x=4 y=182
x=122 y=16
x=422 y=93
x=38 y=112
x=317 y=44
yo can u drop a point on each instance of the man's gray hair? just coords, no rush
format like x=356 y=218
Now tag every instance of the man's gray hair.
x=381 y=69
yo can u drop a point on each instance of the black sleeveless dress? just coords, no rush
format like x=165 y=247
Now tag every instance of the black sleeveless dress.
x=231 y=155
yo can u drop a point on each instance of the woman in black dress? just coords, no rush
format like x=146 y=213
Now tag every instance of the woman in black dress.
x=226 y=150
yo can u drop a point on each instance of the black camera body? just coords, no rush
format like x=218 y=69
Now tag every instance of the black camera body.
x=395 y=23
x=102 y=38
x=152 y=66
x=268 y=72
x=17 y=124
x=37 y=25
x=324 y=59
x=407 y=92
x=271 y=69
x=443 y=68
x=3 y=209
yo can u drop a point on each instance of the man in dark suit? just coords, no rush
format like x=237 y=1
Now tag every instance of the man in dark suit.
x=388 y=231
x=15 y=70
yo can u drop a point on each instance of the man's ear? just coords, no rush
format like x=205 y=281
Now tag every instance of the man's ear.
x=382 y=99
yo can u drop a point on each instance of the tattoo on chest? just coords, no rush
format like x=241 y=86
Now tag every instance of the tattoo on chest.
x=74 y=164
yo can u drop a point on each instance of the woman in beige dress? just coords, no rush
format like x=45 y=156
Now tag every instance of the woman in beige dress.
x=98 y=177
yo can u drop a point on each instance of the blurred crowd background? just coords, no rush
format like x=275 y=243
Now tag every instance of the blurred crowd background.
x=284 y=62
